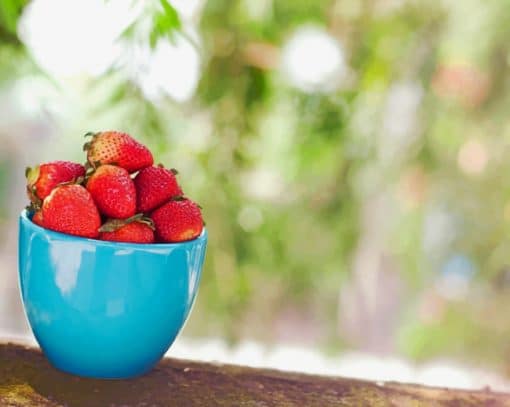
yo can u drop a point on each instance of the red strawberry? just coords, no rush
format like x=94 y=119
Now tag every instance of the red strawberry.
x=43 y=178
x=177 y=221
x=133 y=230
x=113 y=191
x=114 y=147
x=37 y=218
x=155 y=186
x=70 y=209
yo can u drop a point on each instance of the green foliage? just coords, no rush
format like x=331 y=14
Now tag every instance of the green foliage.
x=166 y=23
x=10 y=11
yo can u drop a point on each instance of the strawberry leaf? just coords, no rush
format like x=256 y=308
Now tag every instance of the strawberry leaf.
x=33 y=207
x=114 y=224
x=32 y=174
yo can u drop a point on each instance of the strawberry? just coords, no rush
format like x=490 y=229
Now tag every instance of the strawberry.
x=43 y=178
x=177 y=221
x=114 y=147
x=155 y=186
x=37 y=218
x=70 y=209
x=113 y=191
x=133 y=230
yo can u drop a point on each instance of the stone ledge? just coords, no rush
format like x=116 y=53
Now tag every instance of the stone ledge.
x=27 y=379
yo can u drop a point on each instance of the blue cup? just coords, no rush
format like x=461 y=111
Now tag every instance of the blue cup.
x=105 y=309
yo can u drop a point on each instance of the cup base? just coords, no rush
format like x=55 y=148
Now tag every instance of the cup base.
x=132 y=374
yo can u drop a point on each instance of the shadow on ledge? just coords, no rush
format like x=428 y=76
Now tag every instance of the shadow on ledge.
x=27 y=379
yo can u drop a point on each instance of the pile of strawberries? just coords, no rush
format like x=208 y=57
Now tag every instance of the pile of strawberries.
x=118 y=195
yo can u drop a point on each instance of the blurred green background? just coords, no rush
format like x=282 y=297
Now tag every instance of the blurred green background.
x=350 y=156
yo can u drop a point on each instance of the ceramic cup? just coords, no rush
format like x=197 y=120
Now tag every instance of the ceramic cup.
x=105 y=309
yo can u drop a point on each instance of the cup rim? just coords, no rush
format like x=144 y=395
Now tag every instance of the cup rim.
x=24 y=216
